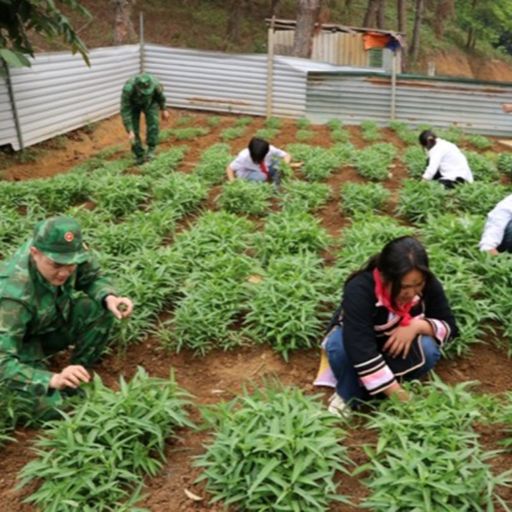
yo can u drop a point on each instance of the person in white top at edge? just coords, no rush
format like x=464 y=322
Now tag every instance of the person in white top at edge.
x=258 y=162
x=446 y=162
x=497 y=235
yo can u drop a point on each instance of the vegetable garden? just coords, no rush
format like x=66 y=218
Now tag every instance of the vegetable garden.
x=205 y=400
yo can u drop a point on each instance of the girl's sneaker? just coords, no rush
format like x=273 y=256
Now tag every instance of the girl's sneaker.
x=338 y=406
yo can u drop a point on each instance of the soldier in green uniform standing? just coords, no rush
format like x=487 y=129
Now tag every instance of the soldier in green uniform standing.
x=142 y=94
x=41 y=313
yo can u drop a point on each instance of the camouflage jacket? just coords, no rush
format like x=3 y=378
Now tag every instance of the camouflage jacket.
x=132 y=98
x=30 y=306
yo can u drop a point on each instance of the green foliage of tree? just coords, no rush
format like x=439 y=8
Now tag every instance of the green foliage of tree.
x=18 y=18
x=483 y=19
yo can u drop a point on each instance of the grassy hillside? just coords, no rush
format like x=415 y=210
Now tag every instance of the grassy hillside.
x=203 y=24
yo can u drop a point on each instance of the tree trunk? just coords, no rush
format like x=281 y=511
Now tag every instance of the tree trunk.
x=273 y=7
x=123 y=26
x=236 y=10
x=471 y=41
x=307 y=15
x=401 y=7
x=371 y=12
x=444 y=10
x=381 y=19
x=418 y=17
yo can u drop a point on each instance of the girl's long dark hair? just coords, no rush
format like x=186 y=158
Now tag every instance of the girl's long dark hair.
x=398 y=258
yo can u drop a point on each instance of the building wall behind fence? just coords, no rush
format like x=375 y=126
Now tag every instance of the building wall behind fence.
x=355 y=97
x=223 y=82
x=59 y=93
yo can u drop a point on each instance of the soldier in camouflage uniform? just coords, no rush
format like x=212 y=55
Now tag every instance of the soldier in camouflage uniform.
x=142 y=93
x=52 y=296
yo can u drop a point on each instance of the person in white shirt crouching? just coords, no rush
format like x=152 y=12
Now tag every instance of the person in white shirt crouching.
x=497 y=235
x=446 y=162
x=258 y=162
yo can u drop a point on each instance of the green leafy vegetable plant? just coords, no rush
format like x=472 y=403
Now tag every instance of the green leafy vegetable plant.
x=287 y=308
x=369 y=197
x=304 y=196
x=290 y=233
x=370 y=131
x=274 y=449
x=479 y=141
x=242 y=196
x=428 y=456
x=96 y=458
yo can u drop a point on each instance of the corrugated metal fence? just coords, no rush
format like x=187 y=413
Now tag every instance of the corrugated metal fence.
x=60 y=93
x=439 y=102
x=226 y=82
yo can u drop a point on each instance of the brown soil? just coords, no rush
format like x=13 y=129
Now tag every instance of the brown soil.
x=221 y=375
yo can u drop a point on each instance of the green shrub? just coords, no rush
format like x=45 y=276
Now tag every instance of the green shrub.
x=479 y=141
x=370 y=131
x=96 y=458
x=267 y=133
x=404 y=132
x=212 y=165
x=183 y=192
x=373 y=162
x=356 y=197
x=304 y=134
x=243 y=121
x=416 y=161
x=304 y=196
x=243 y=196
x=418 y=199
x=429 y=457
x=188 y=133
x=286 y=309
x=164 y=163
x=213 y=299
x=505 y=163
x=233 y=132
x=213 y=121
x=290 y=233
x=274 y=449
x=482 y=167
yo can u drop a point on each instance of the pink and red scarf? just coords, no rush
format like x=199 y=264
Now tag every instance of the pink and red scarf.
x=384 y=298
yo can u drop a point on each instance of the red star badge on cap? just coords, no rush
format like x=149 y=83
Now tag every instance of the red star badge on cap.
x=69 y=237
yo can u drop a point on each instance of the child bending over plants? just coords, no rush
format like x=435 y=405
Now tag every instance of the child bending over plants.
x=446 y=162
x=390 y=326
x=258 y=162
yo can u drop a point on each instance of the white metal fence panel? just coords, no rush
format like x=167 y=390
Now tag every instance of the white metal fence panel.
x=59 y=93
x=209 y=80
x=233 y=83
x=7 y=125
x=471 y=105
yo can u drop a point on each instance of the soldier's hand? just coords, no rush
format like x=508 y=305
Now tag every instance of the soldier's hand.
x=71 y=377
x=165 y=114
x=121 y=307
x=131 y=136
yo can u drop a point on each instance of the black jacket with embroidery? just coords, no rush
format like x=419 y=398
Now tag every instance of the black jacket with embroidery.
x=367 y=324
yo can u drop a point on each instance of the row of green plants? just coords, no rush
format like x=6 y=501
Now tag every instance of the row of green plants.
x=95 y=458
x=429 y=456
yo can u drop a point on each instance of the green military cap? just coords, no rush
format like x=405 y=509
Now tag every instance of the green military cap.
x=145 y=84
x=60 y=239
